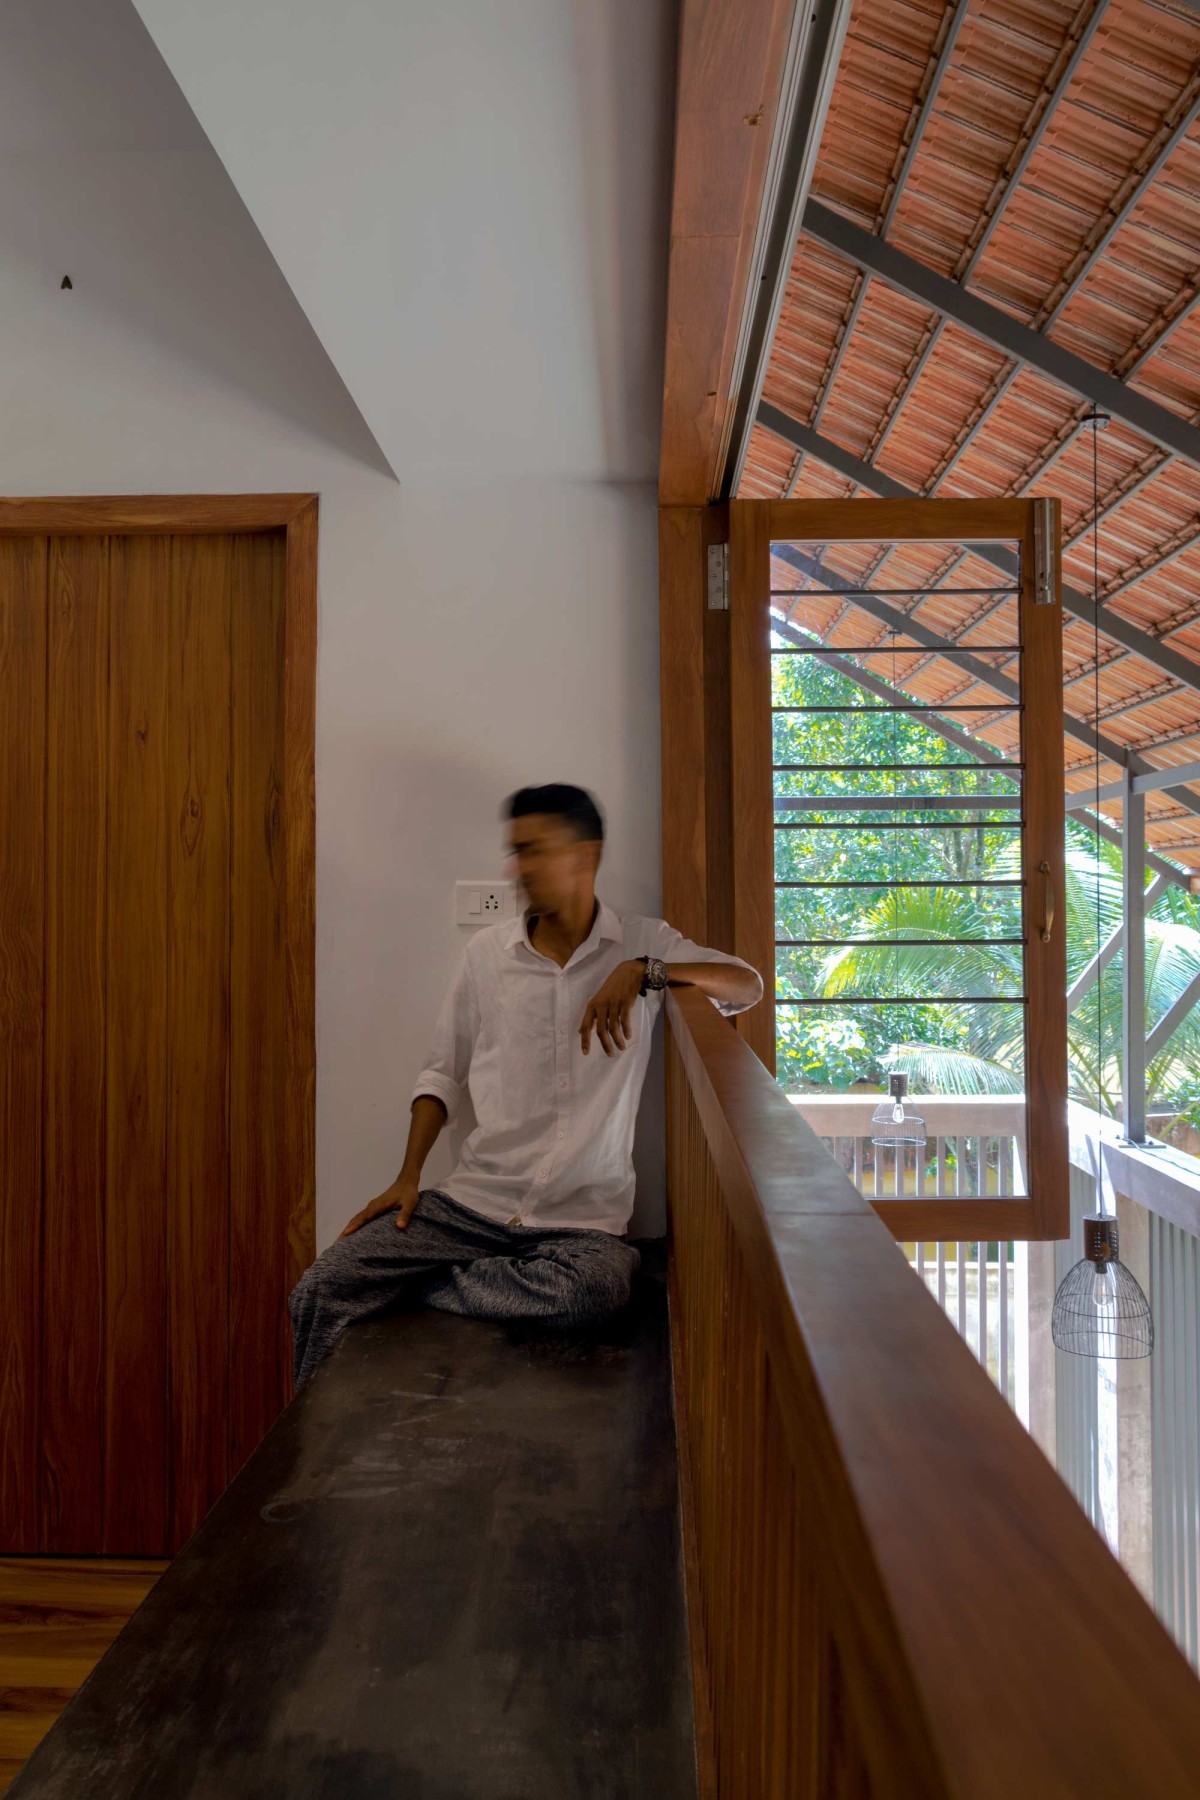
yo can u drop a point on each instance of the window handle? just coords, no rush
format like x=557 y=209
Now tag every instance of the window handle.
x=1047 y=928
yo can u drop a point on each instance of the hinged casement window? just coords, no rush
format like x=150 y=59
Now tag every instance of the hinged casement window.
x=897 y=825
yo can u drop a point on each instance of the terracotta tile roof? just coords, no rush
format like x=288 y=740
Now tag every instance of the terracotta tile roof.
x=1107 y=95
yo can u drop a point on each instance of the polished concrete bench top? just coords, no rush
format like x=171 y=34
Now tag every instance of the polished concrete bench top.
x=451 y=1571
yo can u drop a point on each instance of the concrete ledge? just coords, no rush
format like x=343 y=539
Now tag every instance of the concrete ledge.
x=452 y=1570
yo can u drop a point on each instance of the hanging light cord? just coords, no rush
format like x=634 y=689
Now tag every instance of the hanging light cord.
x=1096 y=421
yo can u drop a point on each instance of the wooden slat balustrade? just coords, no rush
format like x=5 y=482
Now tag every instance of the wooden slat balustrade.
x=893 y=1594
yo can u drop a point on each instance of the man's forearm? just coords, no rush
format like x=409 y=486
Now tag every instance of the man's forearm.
x=720 y=981
x=428 y=1117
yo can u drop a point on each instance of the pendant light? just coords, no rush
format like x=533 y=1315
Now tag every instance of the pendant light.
x=1100 y=1309
x=896 y=1124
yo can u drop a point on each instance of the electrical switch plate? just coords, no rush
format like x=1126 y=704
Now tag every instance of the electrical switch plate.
x=484 y=902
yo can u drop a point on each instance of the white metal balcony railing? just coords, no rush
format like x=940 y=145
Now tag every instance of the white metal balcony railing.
x=976 y=1146
x=1124 y=1437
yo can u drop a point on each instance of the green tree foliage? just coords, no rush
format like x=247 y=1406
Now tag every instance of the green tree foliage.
x=943 y=946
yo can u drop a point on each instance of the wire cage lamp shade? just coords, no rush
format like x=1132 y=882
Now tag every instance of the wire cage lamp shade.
x=896 y=1124
x=1100 y=1309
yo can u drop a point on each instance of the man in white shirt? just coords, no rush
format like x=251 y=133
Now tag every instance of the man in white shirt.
x=547 y=1027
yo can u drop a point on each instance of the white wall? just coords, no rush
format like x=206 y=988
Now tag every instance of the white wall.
x=473 y=635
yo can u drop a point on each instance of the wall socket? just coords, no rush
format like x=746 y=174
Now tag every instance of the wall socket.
x=484 y=902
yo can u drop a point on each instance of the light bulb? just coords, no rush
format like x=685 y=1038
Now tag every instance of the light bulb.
x=898 y=1113
x=1104 y=1288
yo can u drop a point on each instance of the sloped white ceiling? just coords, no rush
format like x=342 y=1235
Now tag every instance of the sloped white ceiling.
x=106 y=176
x=469 y=199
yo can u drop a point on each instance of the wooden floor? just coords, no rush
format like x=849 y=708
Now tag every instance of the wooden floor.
x=58 y=1615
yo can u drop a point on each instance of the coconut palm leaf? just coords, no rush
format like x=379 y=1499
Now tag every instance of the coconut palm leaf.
x=935 y=1069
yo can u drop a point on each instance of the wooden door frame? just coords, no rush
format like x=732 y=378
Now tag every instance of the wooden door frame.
x=124 y=515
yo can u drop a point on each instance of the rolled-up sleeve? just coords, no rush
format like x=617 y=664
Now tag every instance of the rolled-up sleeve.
x=449 y=1060
x=672 y=947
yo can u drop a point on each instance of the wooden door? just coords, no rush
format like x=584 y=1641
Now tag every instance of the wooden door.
x=155 y=1007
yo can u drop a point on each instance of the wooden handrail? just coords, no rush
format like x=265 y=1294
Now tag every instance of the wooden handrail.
x=893 y=1593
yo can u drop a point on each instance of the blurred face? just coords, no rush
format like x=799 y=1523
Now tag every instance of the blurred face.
x=554 y=868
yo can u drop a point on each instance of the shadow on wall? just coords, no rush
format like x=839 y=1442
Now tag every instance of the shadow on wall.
x=106 y=175
x=624 y=135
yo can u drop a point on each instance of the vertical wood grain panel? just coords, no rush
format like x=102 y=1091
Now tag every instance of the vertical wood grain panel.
x=259 y=1332
x=135 y=1459
x=73 y=1111
x=750 y=743
x=299 y=735
x=681 y=674
x=718 y=781
x=1044 y=841
x=198 y=1025
x=22 y=899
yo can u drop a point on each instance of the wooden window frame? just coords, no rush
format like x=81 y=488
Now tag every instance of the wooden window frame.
x=722 y=698
x=296 y=516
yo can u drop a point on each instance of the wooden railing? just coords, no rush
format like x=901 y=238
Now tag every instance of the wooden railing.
x=891 y=1591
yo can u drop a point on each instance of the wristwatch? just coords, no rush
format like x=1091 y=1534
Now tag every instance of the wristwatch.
x=656 y=976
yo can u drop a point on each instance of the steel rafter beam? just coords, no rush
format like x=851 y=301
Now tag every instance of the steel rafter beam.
x=1161 y=1034
x=952 y=24
x=1133 y=965
x=808 y=88
x=1160 y=656
x=998 y=328
x=1027 y=145
x=1086 y=979
x=1112 y=835
x=1153 y=779
x=1174 y=136
x=1033 y=135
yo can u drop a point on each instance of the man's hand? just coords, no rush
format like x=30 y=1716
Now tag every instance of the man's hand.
x=608 y=1011
x=401 y=1198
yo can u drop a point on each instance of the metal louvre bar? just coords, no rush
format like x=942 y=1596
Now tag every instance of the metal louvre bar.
x=902 y=999
x=984 y=882
x=910 y=627
x=901 y=825
x=889 y=943
x=867 y=593
x=907 y=706
x=856 y=768
x=868 y=803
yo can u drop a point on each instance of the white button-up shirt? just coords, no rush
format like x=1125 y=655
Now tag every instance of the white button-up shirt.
x=553 y=1140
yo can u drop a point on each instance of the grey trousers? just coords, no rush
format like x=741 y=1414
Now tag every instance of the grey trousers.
x=454 y=1259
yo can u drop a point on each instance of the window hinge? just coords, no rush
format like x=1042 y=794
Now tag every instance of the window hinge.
x=718 y=578
x=1045 y=553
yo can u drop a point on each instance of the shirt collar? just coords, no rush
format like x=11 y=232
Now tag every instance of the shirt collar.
x=607 y=924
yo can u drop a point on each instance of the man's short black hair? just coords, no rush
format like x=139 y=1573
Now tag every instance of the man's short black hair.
x=573 y=805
